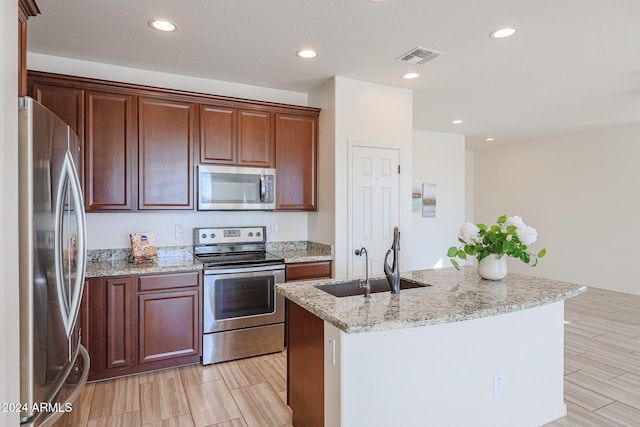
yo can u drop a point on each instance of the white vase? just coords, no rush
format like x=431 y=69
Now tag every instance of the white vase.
x=493 y=267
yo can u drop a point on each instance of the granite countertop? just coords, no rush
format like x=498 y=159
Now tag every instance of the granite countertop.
x=453 y=296
x=115 y=262
x=120 y=267
x=302 y=251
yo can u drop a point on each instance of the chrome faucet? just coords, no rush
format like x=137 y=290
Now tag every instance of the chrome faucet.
x=393 y=271
x=366 y=285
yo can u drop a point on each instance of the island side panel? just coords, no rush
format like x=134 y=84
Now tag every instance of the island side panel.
x=305 y=373
x=444 y=374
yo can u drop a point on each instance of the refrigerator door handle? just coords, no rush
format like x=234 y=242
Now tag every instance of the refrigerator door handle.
x=69 y=300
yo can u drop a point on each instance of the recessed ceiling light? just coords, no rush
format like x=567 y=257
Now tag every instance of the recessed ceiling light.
x=306 y=53
x=490 y=139
x=410 y=76
x=162 y=25
x=503 y=32
x=457 y=121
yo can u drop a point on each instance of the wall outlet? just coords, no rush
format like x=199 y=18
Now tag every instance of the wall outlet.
x=330 y=351
x=179 y=230
x=498 y=385
x=274 y=227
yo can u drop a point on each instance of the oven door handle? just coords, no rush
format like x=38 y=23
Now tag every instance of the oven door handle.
x=240 y=270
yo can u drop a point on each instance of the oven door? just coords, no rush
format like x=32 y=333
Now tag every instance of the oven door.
x=242 y=297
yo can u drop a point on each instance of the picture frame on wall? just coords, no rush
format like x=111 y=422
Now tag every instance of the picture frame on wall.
x=429 y=200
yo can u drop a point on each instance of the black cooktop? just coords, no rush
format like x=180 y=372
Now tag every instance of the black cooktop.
x=238 y=259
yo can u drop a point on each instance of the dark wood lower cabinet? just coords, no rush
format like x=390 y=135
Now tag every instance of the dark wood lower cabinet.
x=168 y=325
x=120 y=323
x=128 y=330
x=305 y=366
x=308 y=270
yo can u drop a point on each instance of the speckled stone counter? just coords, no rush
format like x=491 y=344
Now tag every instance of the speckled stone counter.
x=301 y=251
x=453 y=296
x=114 y=262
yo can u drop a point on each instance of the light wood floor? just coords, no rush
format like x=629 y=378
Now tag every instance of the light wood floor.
x=602 y=380
x=602 y=360
x=243 y=393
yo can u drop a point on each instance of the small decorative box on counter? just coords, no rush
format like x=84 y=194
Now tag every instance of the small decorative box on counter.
x=143 y=248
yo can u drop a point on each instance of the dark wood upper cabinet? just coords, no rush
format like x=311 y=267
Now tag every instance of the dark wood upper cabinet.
x=296 y=162
x=110 y=151
x=142 y=143
x=65 y=102
x=165 y=154
x=232 y=136
x=255 y=138
x=218 y=133
x=26 y=9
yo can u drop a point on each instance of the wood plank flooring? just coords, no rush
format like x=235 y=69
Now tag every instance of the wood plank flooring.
x=602 y=360
x=602 y=380
x=242 y=393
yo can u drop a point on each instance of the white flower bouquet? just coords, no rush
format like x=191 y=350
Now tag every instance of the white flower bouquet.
x=509 y=236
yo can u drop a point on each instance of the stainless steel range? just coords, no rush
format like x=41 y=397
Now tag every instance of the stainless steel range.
x=243 y=315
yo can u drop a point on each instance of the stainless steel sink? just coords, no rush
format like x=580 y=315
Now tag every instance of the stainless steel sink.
x=349 y=289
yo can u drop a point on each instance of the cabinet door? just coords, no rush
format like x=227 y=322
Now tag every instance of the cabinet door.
x=111 y=325
x=296 y=162
x=169 y=325
x=66 y=102
x=109 y=151
x=218 y=134
x=255 y=138
x=120 y=322
x=165 y=158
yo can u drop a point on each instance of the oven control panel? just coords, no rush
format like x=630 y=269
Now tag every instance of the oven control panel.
x=216 y=235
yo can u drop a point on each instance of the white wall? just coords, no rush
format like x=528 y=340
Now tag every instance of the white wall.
x=321 y=225
x=9 y=316
x=438 y=158
x=367 y=112
x=468 y=185
x=76 y=67
x=112 y=230
x=580 y=192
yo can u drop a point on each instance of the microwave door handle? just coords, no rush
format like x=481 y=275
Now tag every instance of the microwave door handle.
x=263 y=188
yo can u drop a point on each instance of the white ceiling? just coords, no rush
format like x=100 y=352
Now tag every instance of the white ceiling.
x=574 y=65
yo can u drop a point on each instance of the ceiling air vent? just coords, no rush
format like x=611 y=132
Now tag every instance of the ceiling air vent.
x=418 y=56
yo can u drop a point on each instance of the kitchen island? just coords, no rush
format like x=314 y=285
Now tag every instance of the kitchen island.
x=461 y=351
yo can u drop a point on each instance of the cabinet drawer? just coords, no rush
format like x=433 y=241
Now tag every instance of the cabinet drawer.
x=308 y=270
x=155 y=282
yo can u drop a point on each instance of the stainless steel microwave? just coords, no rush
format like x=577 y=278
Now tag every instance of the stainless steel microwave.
x=236 y=188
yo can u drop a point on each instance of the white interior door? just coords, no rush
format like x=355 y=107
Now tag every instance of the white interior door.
x=374 y=205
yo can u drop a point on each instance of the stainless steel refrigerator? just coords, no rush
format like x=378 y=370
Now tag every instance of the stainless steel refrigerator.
x=53 y=364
